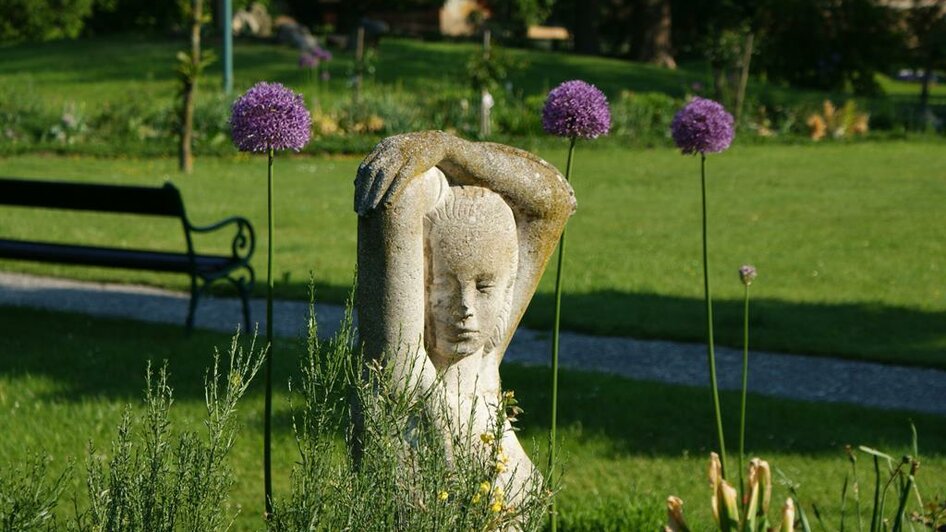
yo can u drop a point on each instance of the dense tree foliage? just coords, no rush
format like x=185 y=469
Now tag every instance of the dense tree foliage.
x=41 y=20
x=830 y=44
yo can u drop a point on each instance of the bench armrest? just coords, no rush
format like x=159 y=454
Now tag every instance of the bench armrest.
x=244 y=241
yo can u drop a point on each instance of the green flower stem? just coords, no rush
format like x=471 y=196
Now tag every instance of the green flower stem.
x=745 y=387
x=268 y=408
x=711 y=355
x=555 y=329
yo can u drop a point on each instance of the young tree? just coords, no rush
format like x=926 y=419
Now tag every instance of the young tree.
x=190 y=66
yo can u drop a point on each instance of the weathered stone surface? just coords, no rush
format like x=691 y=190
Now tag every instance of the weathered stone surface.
x=453 y=237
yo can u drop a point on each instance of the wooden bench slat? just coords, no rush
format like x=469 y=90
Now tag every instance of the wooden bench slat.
x=157 y=201
x=113 y=257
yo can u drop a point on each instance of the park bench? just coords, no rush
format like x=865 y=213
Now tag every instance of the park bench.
x=164 y=201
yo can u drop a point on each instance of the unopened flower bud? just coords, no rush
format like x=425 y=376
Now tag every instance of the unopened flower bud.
x=729 y=510
x=747 y=274
x=788 y=516
x=675 y=521
x=715 y=471
x=760 y=477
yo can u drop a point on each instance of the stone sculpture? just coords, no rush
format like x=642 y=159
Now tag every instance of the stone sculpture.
x=453 y=237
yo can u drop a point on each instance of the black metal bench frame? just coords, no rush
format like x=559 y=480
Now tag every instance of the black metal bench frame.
x=139 y=200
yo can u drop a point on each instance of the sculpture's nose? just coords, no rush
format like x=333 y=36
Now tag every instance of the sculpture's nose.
x=466 y=308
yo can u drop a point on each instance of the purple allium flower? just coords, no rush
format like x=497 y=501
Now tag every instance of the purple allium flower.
x=308 y=60
x=576 y=109
x=747 y=274
x=322 y=54
x=270 y=116
x=702 y=126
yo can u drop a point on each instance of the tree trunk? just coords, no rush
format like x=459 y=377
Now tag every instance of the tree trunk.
x=925 y=88
x=654 y=26
x=720 y=83
x=744 y=74
x=586 y=27
x=359 y=63
x=186 y=161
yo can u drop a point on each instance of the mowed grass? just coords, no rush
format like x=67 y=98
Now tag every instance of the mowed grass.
x=66 y=379
x=849 y=240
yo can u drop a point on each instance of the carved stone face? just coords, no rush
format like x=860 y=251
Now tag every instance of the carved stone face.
x=472 y=262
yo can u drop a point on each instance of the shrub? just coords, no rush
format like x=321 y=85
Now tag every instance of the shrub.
x=398 y=476
x=644 y=117
x=28 y=496
x=157 y=482
x=42 y=20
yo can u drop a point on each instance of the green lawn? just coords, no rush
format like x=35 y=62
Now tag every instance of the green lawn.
x=65 y=379
x=849 y=240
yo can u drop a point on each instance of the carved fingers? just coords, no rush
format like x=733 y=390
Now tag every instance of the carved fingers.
x=393 y=163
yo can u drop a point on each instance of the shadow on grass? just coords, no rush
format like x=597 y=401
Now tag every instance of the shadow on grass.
x=858 y=331
x=873 y=332
x=668 y=420
x=86 y=357
x=99 y=357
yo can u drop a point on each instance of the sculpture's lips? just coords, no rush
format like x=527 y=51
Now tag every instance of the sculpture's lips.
x=465 y=334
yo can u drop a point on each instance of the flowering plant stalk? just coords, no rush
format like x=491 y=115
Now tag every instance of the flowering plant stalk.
x=747 y=274
x=575 y=109
x=704 y=126
x=270 y=117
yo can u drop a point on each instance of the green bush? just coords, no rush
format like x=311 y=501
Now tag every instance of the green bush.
x=28 y=495
x=43 y=20
x=159 y=481
x=644 y=118
x=398 y=476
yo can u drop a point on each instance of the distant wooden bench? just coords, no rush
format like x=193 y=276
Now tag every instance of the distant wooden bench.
x=165 y=201
x=548 y=33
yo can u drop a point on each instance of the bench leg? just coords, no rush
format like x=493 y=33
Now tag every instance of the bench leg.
x=245 y=297
x=195 y=294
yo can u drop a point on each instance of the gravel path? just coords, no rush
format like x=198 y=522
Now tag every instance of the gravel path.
x=794 y=376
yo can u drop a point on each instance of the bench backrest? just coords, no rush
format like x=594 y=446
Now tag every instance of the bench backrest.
x=157 y=201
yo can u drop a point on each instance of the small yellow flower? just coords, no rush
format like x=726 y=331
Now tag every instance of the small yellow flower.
x=509 y=394
x=501 y=456
x=487 y=437
x=499 y=492
x=443 y=495
x=485 y=487
x=500 y=467
x=476 y=498
x=496 y=507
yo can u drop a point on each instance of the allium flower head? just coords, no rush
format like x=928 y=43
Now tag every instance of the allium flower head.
x=322 y=54
x=702 y=126
x=270 y=116
x=576 y=109
x=747 y=274
x=308 y=60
